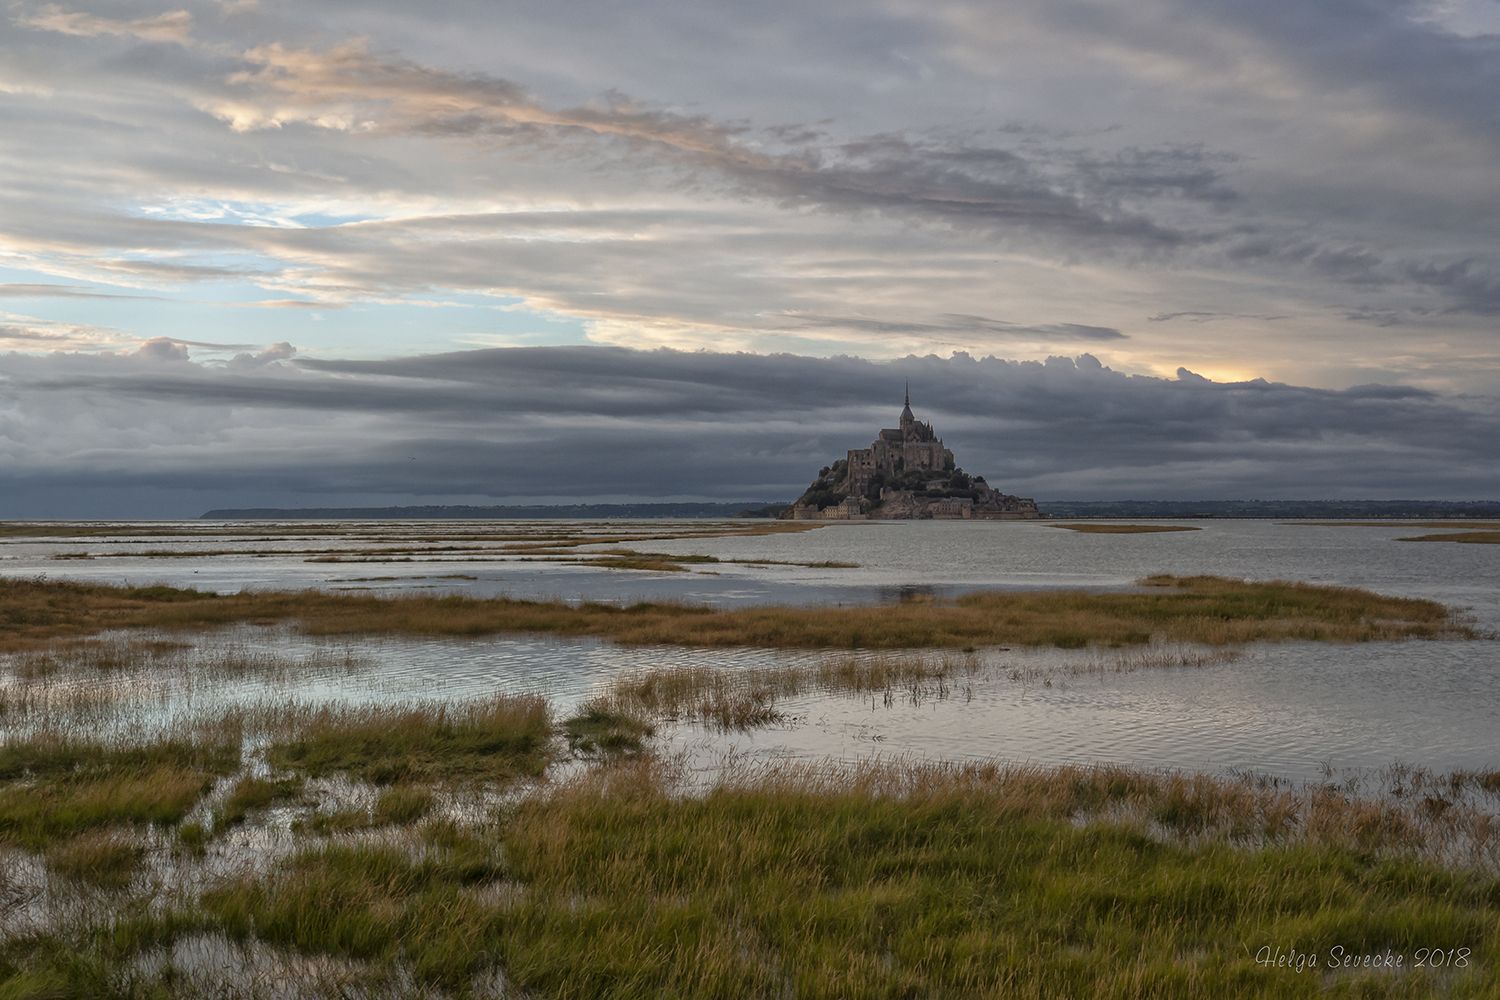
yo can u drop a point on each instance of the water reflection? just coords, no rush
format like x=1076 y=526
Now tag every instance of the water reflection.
x=1283 y=709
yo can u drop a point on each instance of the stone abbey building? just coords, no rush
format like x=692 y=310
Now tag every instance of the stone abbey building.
x=911 y=446
x=906 y=474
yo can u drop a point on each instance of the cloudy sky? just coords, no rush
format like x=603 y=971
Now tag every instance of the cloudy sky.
x=262 y=253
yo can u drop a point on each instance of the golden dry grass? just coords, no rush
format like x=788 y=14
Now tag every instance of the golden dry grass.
x=1210 y=610
x=1473 y=537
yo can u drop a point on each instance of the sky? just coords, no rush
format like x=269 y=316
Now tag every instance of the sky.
x=259 y=253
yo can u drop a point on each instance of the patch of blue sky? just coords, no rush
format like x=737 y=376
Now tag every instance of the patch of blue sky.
x=225 y=317
x=255 y=213
x=452 y=323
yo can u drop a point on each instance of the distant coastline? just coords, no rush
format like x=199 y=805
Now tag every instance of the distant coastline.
x=602 y=511
x=1333 y=509
x=1173 y=509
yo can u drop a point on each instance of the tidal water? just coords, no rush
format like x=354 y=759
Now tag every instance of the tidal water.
x=1290 y=710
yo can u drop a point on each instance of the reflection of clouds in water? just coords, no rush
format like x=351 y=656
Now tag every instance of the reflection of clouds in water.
x=1283 y=709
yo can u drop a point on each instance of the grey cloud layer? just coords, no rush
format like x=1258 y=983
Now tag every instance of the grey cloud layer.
x=608 y=421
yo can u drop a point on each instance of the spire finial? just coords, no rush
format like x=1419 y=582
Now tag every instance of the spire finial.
x=908 y=392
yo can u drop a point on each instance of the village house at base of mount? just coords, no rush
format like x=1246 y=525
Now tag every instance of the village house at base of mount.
x=907 y=474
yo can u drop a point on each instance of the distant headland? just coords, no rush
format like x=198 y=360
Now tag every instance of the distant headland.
x=906 y=474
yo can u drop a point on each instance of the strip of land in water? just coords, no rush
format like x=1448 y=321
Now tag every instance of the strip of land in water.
x=1469 y=525
x=1123 y=529
x=1474 y=532
x=1472 y=537
x=1202 y=609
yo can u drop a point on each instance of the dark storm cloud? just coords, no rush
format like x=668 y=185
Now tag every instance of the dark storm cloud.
x=1387 y=45
x=595 y=421
x=1474 y=286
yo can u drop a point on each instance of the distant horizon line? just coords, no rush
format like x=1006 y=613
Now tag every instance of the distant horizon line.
x=1161 y=508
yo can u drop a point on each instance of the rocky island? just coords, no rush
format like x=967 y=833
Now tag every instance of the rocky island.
x=906 y=474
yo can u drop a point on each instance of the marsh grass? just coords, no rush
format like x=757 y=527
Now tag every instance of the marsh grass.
x=719 y=699
x=252 y=793
x=106 y=858
x=401 y=805
x=1473 y=537
x=659 y=565
x=1487 y=525
x=893 y=879
x=373 y=903
x=744 y=698
x=1127 y=661
x=599 y=731
x=1208 y=610
x=363 y=544
x=52 y=787
x=498 y=739
x=668 y=562
x=1123 y=529
x=128 y=686
x=880 y=879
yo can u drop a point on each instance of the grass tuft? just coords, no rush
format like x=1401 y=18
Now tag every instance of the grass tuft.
x=499 y=740
x=252 y=793
x=106 y=858
x=402 y=805
x=597 y=730
x=53 y=787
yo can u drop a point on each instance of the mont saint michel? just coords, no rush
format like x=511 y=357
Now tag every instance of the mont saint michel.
x=907 y=473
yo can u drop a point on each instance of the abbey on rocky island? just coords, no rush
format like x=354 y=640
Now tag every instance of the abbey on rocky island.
x=906 y=474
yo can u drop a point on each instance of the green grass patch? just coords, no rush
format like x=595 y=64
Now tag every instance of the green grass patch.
x=103 y=858
x=402 y=805
x=496 y=740
x=51 y=789
x=253 y=793
x=375 y=904
x=598 y=730
x=922 y=882
x=91 y=963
